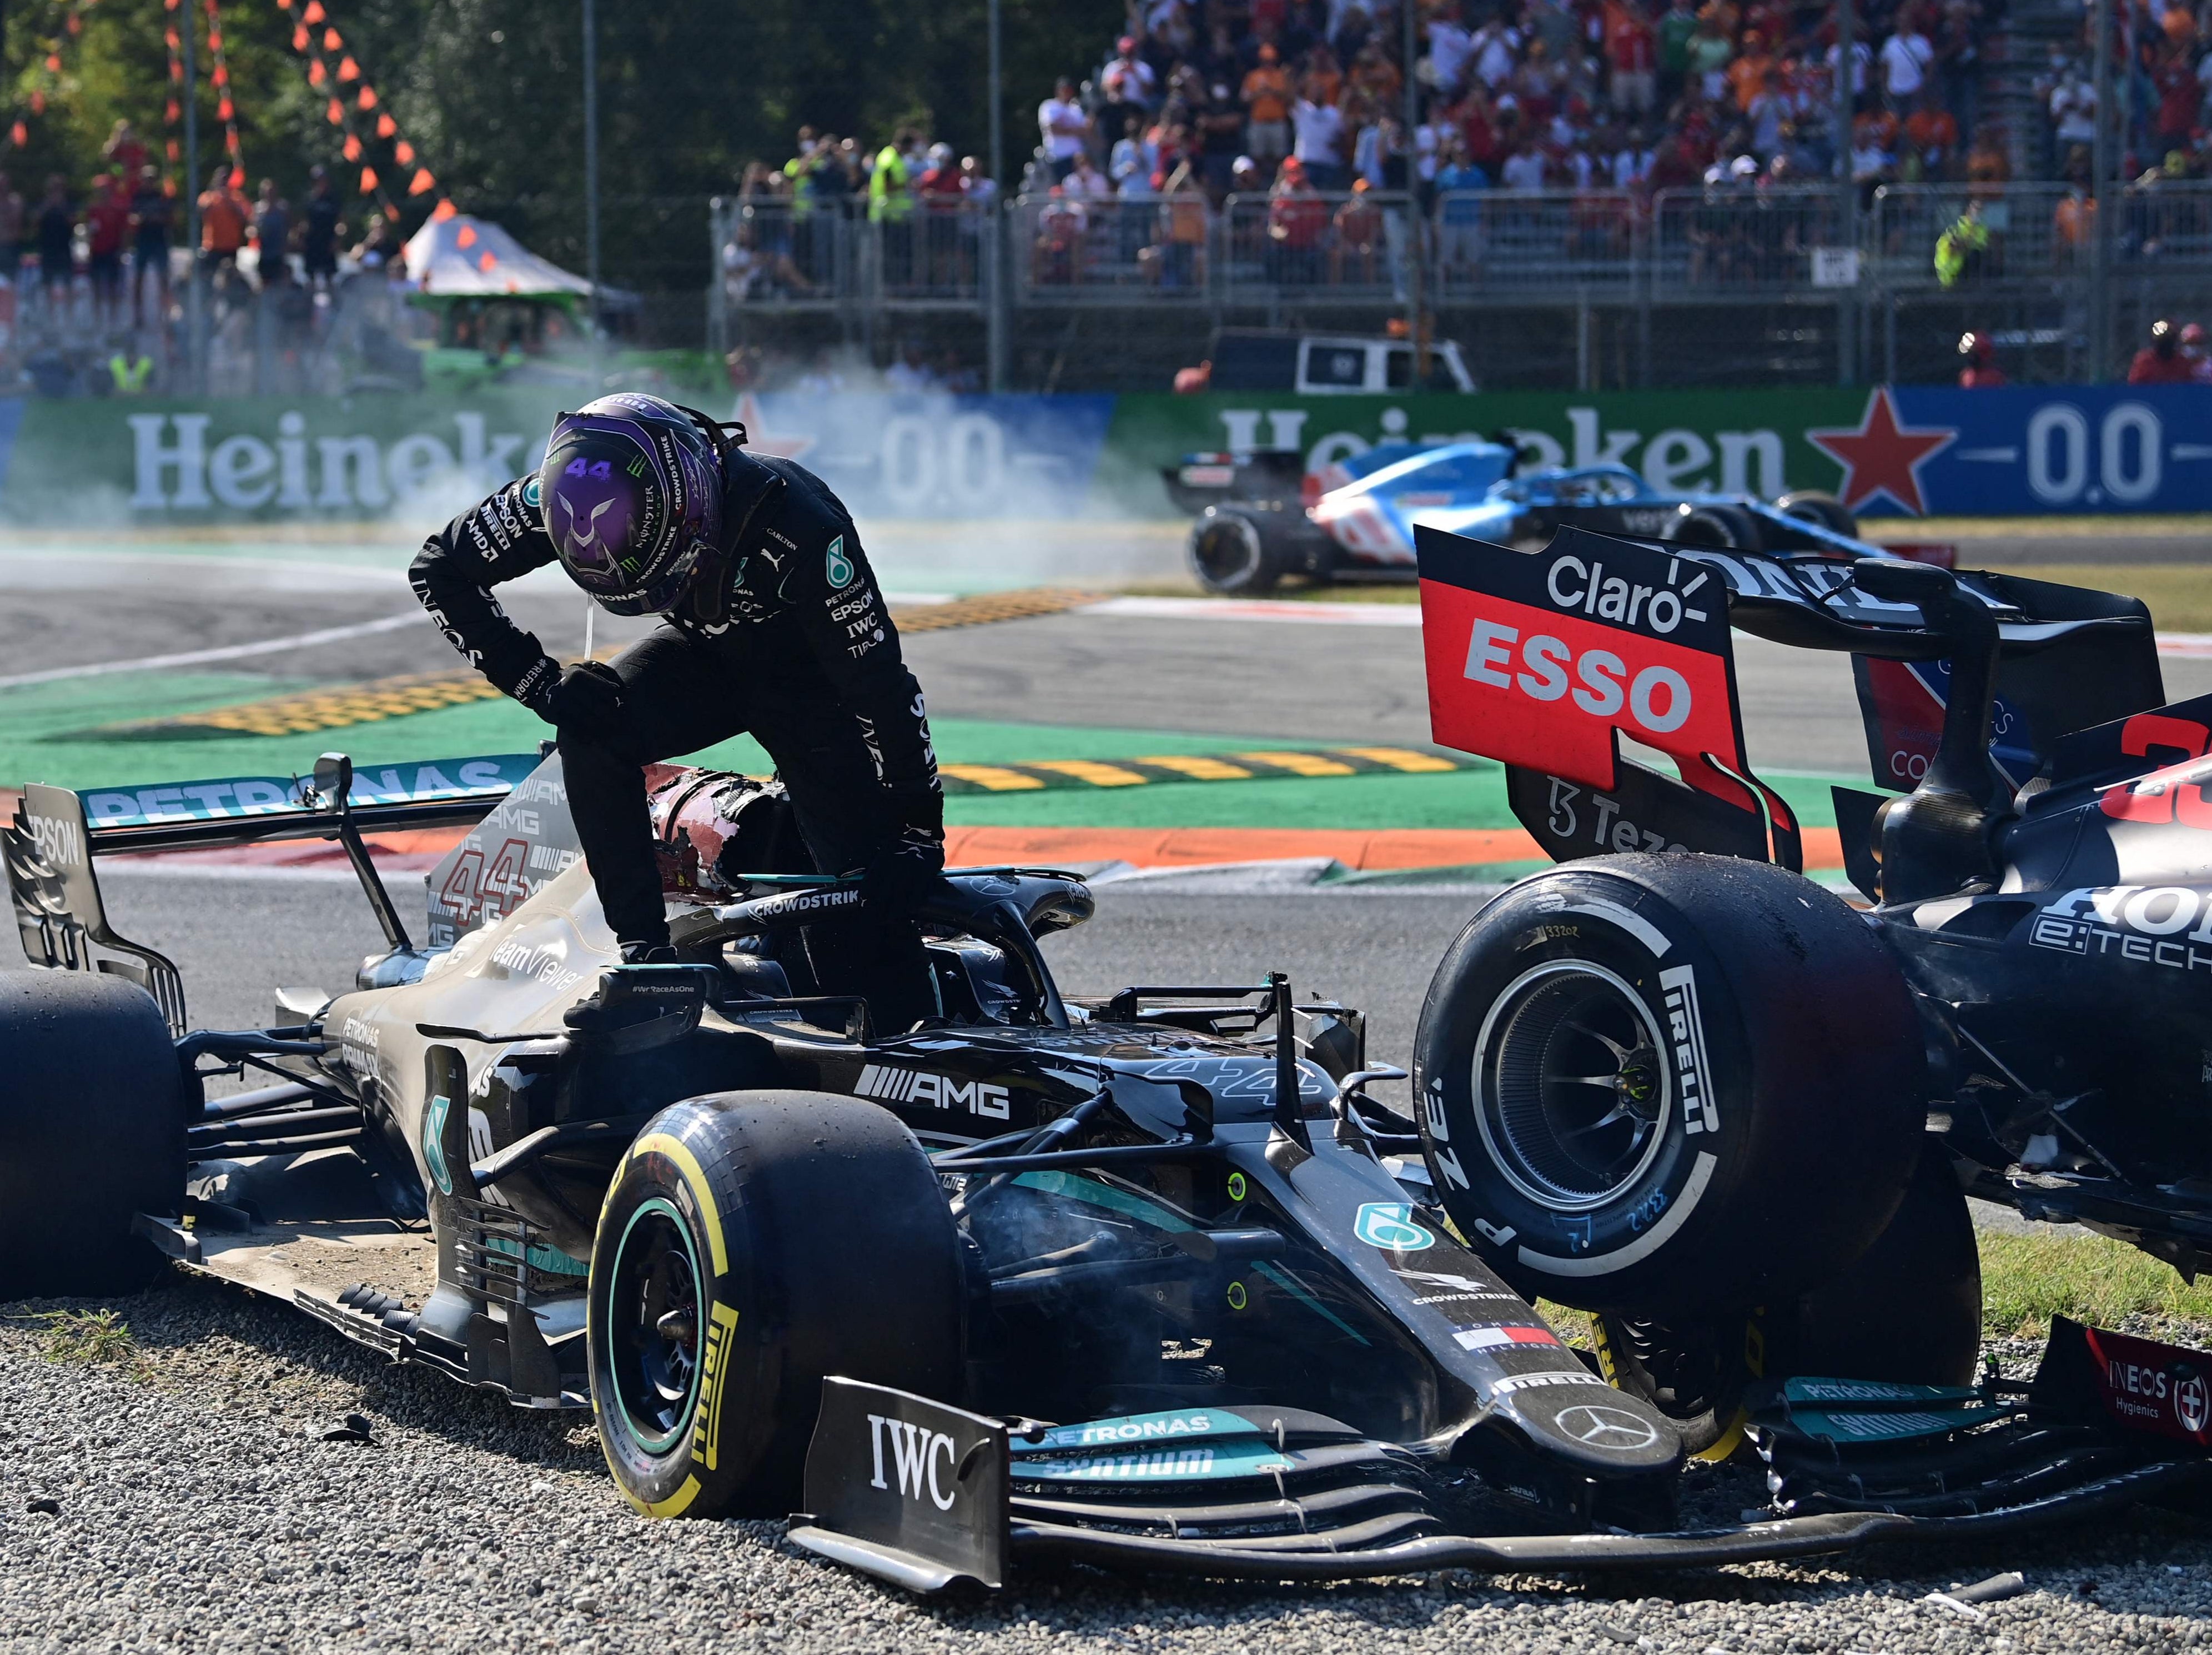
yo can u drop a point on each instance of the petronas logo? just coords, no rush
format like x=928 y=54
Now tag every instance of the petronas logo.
x=838 y=566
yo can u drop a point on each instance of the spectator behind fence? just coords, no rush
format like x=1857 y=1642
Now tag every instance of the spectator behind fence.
x=150 y=216
x=106 y=222
x=1266 y=95
x=11 y=232
x=272 y=235
x=321 y=228
x=56 y=232
x=1906 y=59
x=2162 y=361
x=1320 y=146
x=1358 y=237
x=125 y=154
x=1065 y=126
x=222 y=223
x=1297 y=227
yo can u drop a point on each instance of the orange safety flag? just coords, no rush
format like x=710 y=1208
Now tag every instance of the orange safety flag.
x=404 y=152
x=315 y=12
x=38 y=103
x=225 y=111
x=335 y=113
x=300 y=38
x=386 y=127
x=222 y=76
x=444 y=209
x=349 y=69
x=316 y=73
x=368 y=99
x=172 y=112
x=467 y=237
x=19 y=135
x=331 y=42
x=54 y=63
x=486 y=261
x=352 y=148
x=369 y=181
x=423 y=185
x=238 y=178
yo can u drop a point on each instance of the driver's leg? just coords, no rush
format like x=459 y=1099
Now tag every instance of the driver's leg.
x=673 y=702
x=845 y=818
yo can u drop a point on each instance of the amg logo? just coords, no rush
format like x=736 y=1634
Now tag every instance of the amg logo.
x=60 y=840
x=1687 y=1028
x=915 y=1459
x=551 y=859
x=897 y=1085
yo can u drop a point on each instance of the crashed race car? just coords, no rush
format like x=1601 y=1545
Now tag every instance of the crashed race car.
x=1262 y=518
x=1151 y=1280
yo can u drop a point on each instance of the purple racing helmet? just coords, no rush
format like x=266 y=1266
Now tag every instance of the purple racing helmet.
x=631 y=490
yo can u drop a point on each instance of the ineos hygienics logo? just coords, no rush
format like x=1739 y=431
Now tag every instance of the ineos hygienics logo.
x=1607 y=1428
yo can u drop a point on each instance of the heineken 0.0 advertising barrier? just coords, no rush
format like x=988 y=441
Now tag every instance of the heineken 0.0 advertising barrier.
x=1906 y=450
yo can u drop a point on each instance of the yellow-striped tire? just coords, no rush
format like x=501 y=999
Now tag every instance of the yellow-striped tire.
x=752 y=1244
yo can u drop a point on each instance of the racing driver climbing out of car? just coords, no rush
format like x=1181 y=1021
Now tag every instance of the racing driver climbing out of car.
x=772 y=625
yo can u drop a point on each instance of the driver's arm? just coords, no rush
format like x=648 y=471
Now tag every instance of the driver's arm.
x=496 y=540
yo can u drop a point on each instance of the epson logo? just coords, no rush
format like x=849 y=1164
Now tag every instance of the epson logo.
x=897 y=1086
x=1687 y=1028
x=917 y=1457
x=59 y=840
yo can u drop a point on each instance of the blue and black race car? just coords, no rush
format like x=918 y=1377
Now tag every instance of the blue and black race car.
x=1261 y=517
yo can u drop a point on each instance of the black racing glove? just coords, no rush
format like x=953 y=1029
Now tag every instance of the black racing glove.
x=587 y=697
x=900 y=875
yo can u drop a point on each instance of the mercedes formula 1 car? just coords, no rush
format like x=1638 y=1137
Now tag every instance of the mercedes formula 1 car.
x=1151 y=1280
x=1261 y=518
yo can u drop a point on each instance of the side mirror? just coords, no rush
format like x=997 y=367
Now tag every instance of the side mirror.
x=333 y=783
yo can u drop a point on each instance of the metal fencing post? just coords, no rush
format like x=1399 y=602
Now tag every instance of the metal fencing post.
x=718 y=313
x=2100 y=240
x=994 y=293
x=1847 y=202
x=195 y=295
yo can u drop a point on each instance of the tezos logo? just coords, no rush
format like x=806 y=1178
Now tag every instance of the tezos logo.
x=1390 y=1226
x=838 y=567
x=918 y=1457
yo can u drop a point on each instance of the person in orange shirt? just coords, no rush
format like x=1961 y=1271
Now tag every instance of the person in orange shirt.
x=1266 y=94
x=2073 y=222
x=1933 y=134
x=223 y=222
x=1747 y=74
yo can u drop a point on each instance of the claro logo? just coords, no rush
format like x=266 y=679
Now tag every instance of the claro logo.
x=918 y=1457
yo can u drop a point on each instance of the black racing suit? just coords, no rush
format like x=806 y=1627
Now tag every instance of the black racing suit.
x=790 y=642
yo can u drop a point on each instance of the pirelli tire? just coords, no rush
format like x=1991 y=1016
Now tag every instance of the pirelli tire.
x=1240 y=550
x=751 y=1244
x=1672 y=1084
x=1720 y=525
x=1908 y=1310
x=92 y=1132
x=1817 y=506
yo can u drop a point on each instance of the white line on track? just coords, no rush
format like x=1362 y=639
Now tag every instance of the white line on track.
x=227 y=652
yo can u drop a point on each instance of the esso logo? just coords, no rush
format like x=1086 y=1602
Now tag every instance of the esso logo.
x=1545 y=669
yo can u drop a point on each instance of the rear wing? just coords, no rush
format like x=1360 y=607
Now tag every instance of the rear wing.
x=47 y=851
x=1545 y=661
